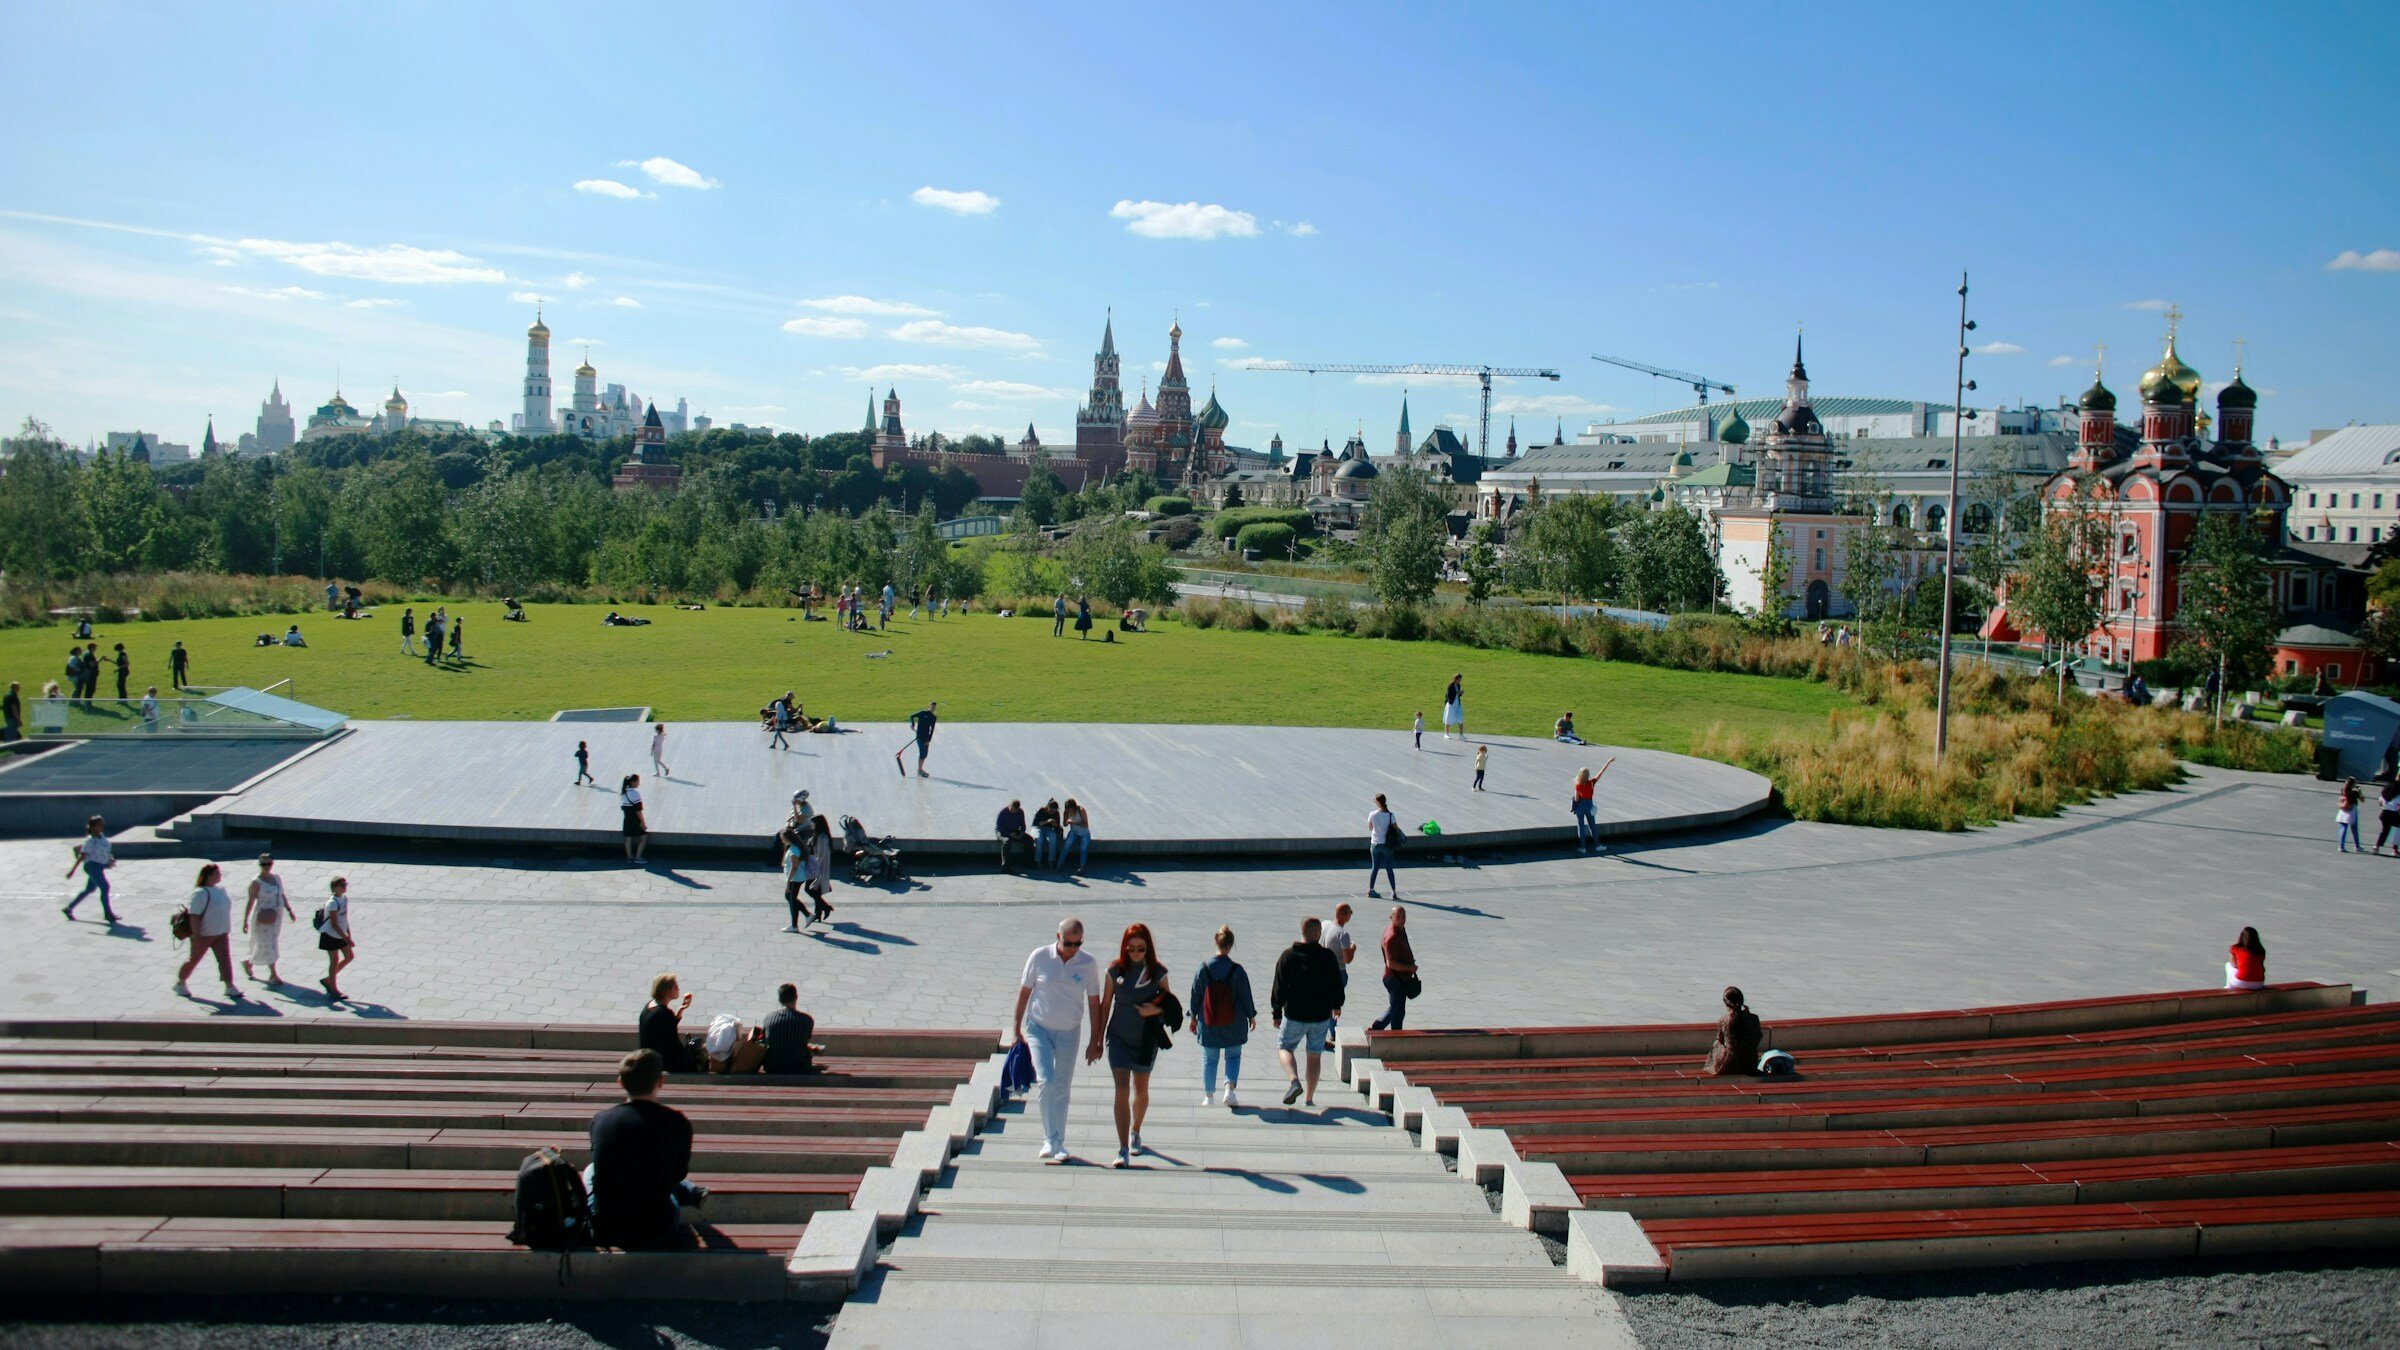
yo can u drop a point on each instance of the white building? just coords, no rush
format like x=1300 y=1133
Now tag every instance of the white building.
x=277 y=429
x=535 y=419
x=154 y=448
x=2345 y=487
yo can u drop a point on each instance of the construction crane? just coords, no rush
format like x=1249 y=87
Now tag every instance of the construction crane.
x=1700 y=384
x=1482 y=374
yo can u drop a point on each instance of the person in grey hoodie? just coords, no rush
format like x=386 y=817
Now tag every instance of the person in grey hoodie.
x=1221 y=991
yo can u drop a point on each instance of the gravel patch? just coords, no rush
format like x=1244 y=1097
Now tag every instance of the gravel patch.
x=2333 y=1299
x=360 y=1322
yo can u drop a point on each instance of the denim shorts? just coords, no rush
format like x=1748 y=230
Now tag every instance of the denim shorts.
x=1316 y=1033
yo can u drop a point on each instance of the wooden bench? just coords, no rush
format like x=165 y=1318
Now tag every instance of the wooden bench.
x=155 y=1255
x=497 y=1114
x=202 y=1146
x=368 y=1193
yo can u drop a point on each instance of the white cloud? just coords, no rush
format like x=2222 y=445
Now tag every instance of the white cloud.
x=1999 y=349
x=2057 y=361
x=278 y=293
x=575 y=281
x=1541 y=405
x=530 y=297
x=1189 y=220
x=664 y=170
x=1298 y=229
x=626 y=302
x=936 y=333
x=753 y=408
x=392 y=264
x=219 y=255
x=969 y=203
x=2351 y=260
x=376 y=302
x=584 y=342
x=1229 y=344
x=610 y=187
x=826 y=328
x=859 y=304
x=442 y=394
x=2154 y=306
x=893 y=373
x=1009 y=389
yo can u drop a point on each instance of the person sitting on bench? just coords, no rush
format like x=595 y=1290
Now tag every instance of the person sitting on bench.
x=1009 y=828
x=786 y=1032
x=2246 y=967
x=660 y=1029
x=1738 y=1037
x=641 y=1158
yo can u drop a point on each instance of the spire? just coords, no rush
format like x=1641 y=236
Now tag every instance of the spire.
x=870 y=427
x=1799 y=366
x=1108 y=334
x=208 y=443
x=1404 y=414
x=1174 y=373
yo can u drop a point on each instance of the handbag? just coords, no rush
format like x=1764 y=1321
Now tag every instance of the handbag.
x=180 y=924
x=1412 y=986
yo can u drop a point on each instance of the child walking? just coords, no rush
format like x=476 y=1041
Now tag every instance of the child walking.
x=1420 y=728
x=583 y=766
x=1482 y=752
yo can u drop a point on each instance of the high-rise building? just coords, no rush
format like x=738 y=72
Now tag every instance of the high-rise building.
x=536 y=420
x=277 y=430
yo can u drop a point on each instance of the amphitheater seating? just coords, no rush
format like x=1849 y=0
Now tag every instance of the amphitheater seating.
x=274 y=1155
x=2165 y=1124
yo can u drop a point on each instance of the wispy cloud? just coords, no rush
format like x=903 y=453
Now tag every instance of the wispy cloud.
x=1548 y=405
x=584 y=342
x=812 y=326
x=220 y=256
x=1298 y=229
x=895 y=372
x=626 y=302
x=440 y=394
x=391 y=264
x=278 y=293
x=934 y=332
x=2351 y=260
x=2153 y=306
x=664 y=170
x=1187 y=220
x=859 y=304
x=968 y=203
x=2057 y=361
x=575 y=281
x=374 y=302
x=610 y=187
x=1228 y=344
x=1999 y=349
x=1009 y=389
x=530 y=297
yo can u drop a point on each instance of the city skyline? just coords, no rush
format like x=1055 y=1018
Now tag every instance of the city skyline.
x=768 y=238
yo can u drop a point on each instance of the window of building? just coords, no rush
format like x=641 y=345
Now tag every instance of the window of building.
x=2353 y=501
x=1900 y=516
x=2378 y=501
x=2353 y=535
x=2129 y=543
x=1820 y=560
x=2375 y=534
x=2312 y=532
x=2300 y=592
x=2312 y=499
x=1979 y=519
x=1820 y=534
x=2290 y=667
x=1934 y=518
x=2335 y=670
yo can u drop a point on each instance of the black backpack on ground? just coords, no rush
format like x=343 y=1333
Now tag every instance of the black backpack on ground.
x=554 y=1214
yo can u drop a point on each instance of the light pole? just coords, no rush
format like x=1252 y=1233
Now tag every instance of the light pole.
x=1958 y=417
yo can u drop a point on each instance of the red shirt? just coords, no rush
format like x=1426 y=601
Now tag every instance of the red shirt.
x=2247 y=966
x=1583 y=790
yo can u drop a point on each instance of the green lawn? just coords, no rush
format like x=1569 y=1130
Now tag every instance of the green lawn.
x=722 y=664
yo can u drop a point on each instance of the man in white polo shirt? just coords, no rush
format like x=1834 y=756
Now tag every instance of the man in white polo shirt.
x=1061 y=982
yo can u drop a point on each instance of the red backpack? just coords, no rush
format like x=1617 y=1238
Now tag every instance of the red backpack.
x=1217 y=1007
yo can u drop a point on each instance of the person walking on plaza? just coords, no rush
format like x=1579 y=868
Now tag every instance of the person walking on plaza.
x=12 y=714
x=1383 y=842
x=583 y=765
x=1079 y=835
x=178 y=665
x=209 y=910
x=779 y=723
x=1482 y=752
x=95 y=855
x=658 y=751
x=1307 y=991
x=408 y=631
x=1058 y=615
x=920 y=726
x=124 y=666
x=820 y=870
x=1587 y=814
x=1400 y=982
x=1454 y=707
x=263 y=916
x=1131 y=1003
x=637 y=827
x=2387 y=815
x=458 y=638
x=335 y=937
x=1223 y=1016
x=796 y=847
x=1061 y=982
x=1338 y=940
x=2345 y=817
x=1420 y=728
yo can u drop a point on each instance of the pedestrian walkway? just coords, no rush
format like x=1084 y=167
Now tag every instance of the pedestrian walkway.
x=1263 y=1226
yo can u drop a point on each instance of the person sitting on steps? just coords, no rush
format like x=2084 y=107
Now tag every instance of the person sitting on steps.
x=1739 y=1034
x=641 y=1162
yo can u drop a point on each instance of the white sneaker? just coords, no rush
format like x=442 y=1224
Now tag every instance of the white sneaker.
x=791 y=928
x=182 y=989
x=1137 y=1141
x=1124 y=1160
x=1207 y=1100
x=1045 y=1153
x=1231 y=1100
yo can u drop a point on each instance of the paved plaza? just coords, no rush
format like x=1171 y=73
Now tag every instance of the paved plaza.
x=1150 y=789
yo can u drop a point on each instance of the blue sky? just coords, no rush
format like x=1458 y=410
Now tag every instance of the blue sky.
x=197 y=199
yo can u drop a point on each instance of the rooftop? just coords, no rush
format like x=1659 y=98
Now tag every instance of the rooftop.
x=1764 y=409
x=2352 y=450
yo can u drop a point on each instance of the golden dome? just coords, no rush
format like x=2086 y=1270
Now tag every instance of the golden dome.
x=2170 y=372
x=586 y=369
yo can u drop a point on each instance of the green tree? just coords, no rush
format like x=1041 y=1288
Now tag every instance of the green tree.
x=41 y=507
x=1482 y=564
x=1569 y=544
x=1666 y=561
x=1774 y=576
x=403 y=519
x=1406 y=526
x=122 y=513
x=2226 y=610
x=1872 y=553
x=1110 y=561
x=1042 y=494
x=2055 y=584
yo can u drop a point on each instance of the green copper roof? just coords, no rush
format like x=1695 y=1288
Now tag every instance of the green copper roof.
x=1754 y=409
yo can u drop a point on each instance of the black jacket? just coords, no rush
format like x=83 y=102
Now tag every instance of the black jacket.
x=1308 y=983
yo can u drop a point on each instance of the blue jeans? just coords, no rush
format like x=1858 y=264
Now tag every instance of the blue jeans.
x=1046 y=847
x=1379 y=859
x=2347 y=839
x=1054 y=1054
x=1587 y=824
x=1208 y=1067
x=1079 y=842
x=1395 y=1017
x=95 y=878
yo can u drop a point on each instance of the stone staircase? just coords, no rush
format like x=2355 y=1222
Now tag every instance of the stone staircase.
x=1265 y=1226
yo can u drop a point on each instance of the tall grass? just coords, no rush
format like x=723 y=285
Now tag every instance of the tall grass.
x=171 y=595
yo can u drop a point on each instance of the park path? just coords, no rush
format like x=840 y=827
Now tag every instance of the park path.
x=1265 y=1226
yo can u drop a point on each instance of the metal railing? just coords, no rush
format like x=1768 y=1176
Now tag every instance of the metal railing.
x=94 y=718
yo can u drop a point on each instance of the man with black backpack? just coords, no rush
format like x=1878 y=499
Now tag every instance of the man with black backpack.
x=641 y=1153
x=1308 y=990
x=1224 y=1015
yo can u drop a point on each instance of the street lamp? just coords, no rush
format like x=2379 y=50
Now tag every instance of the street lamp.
x=1958 y=416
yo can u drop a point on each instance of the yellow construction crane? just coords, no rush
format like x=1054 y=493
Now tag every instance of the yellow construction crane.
x=1482 y=374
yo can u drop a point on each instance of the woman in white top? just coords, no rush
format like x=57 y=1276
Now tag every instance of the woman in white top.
x=637 y=826
x=262 y=919
x=334 y=939
x=209 y=910
x=658 y=751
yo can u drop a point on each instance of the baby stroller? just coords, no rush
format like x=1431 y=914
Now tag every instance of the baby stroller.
x=871 y=860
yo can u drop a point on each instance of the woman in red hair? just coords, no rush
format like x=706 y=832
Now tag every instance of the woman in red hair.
x=1135 y=982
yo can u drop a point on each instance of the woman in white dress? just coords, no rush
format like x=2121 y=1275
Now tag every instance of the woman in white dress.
x=263 y=919
x=658 y=752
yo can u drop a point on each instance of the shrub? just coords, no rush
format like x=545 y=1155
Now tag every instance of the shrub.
x=1329 y=614
x=1272 y=540
x=1180 y=533
x=1168 y=506
x=1228 y=524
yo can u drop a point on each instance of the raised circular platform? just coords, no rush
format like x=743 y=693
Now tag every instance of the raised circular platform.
x=1152 y=790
